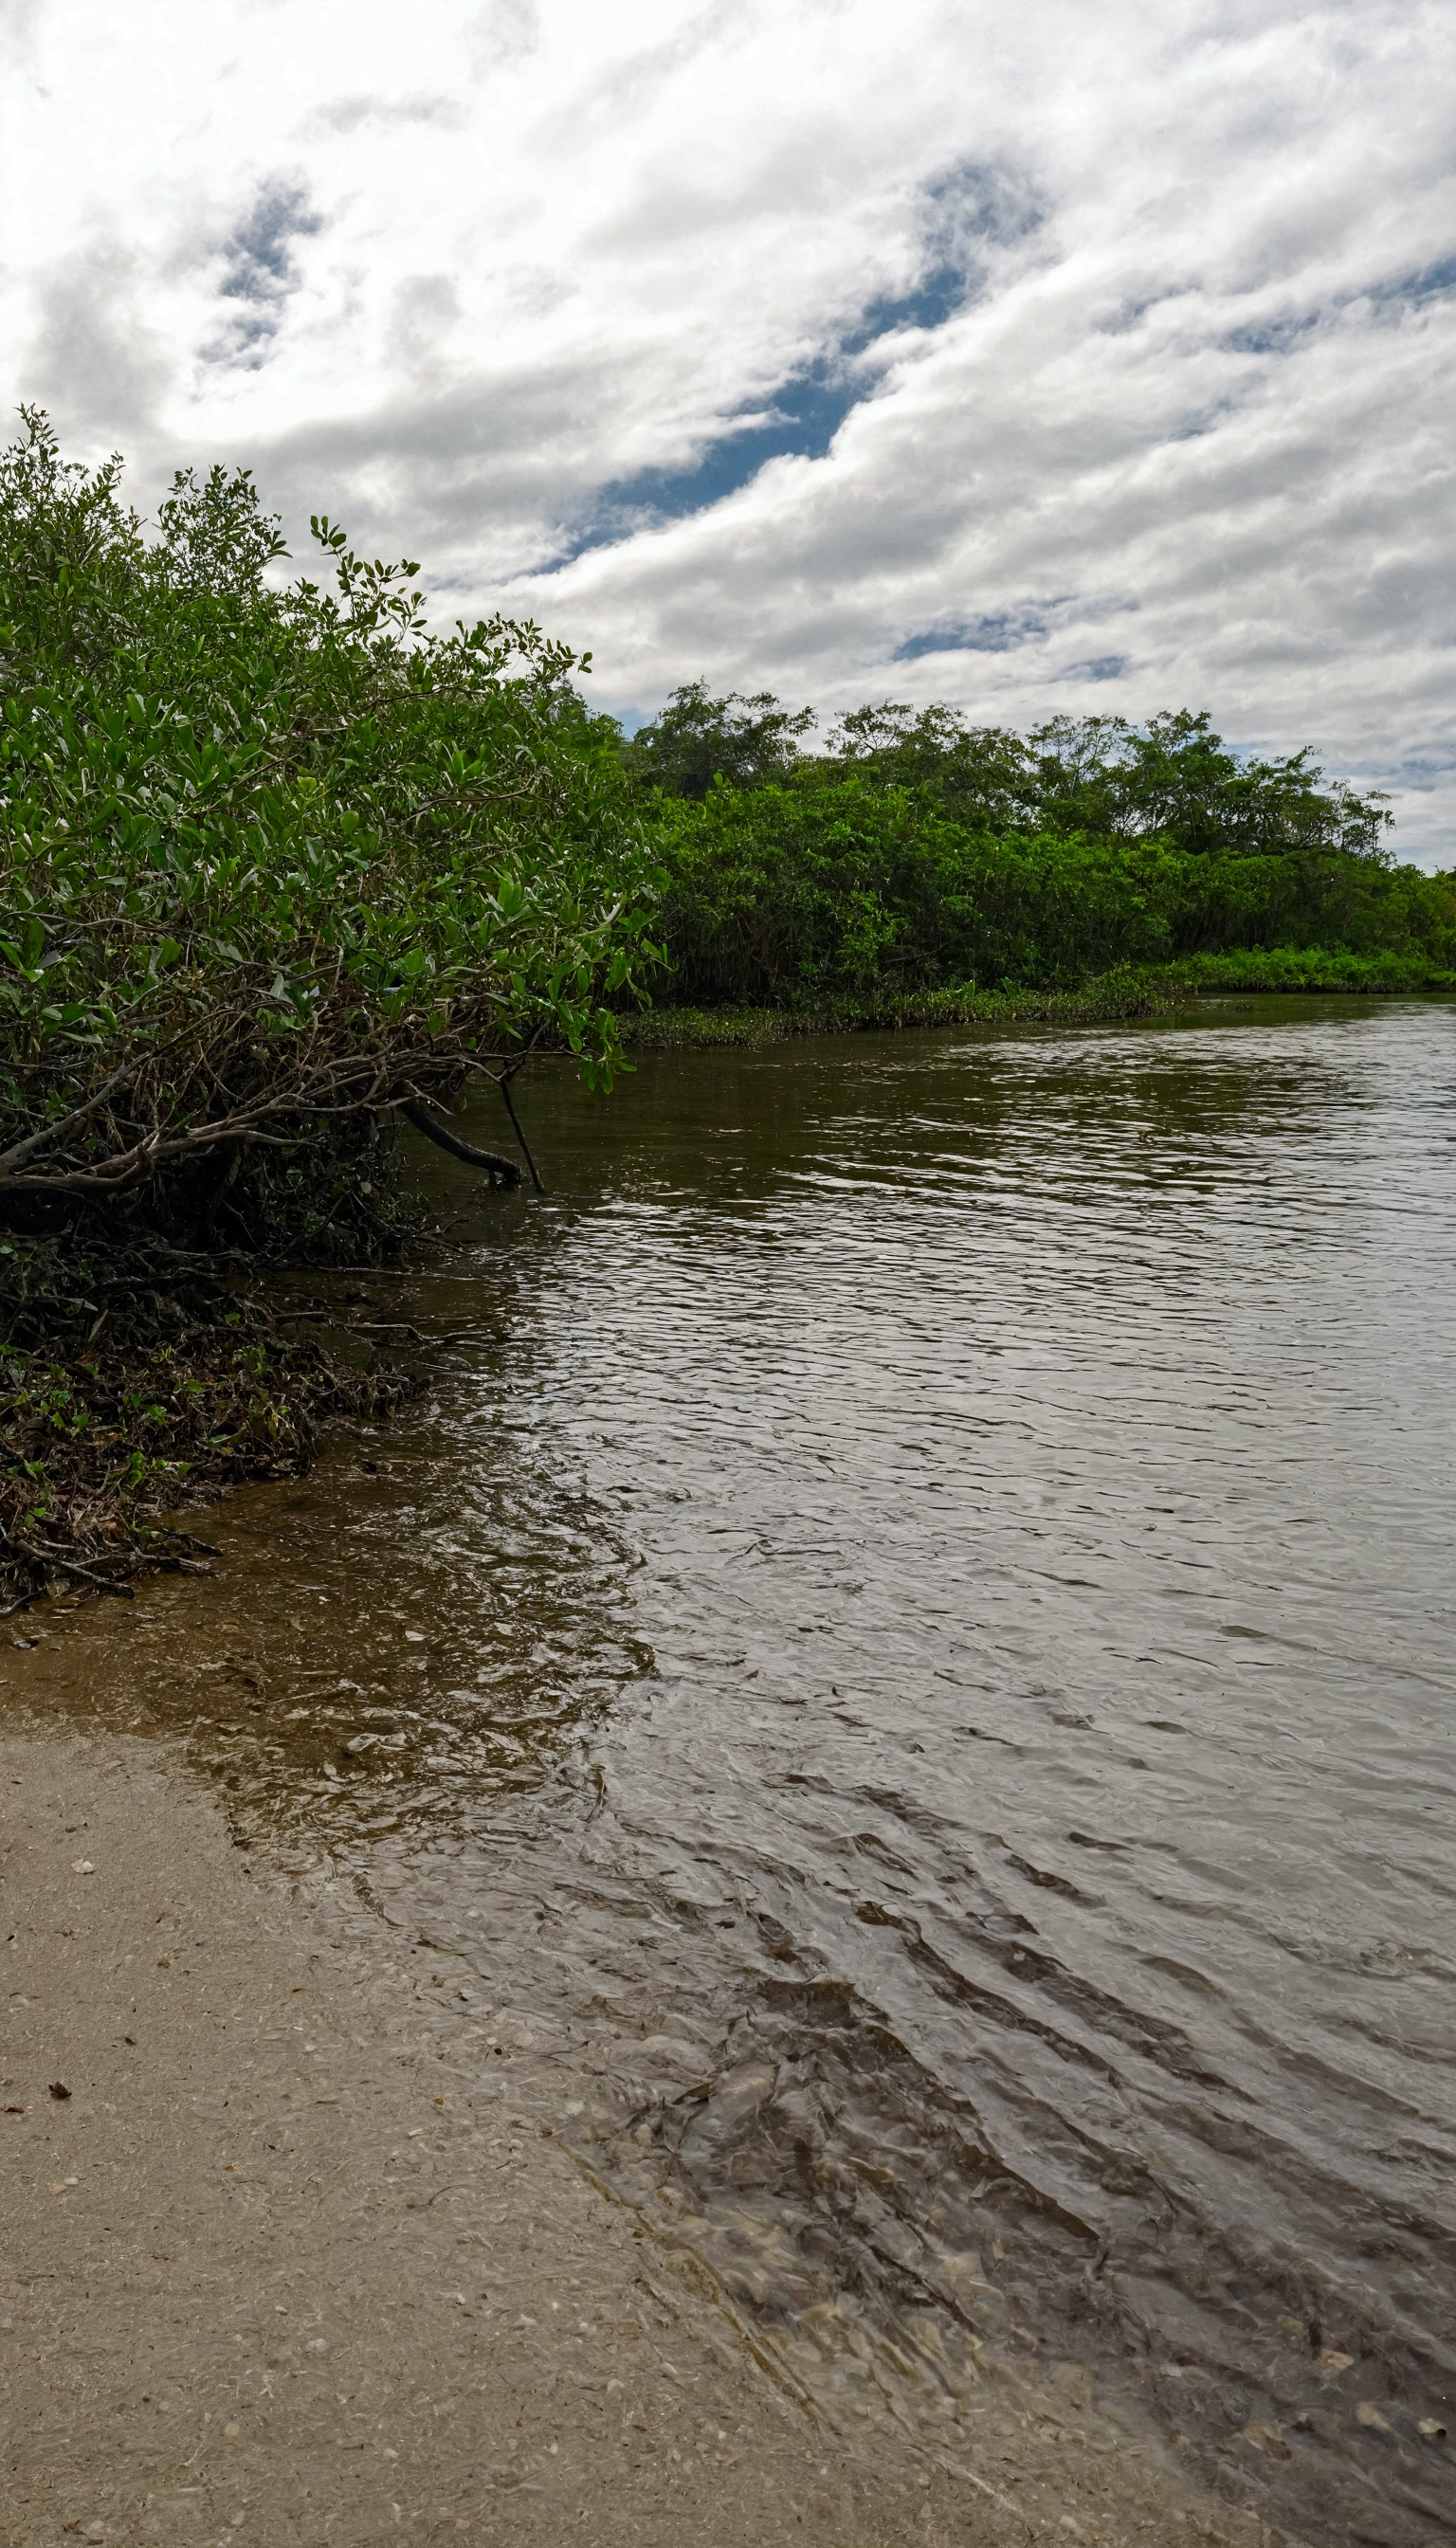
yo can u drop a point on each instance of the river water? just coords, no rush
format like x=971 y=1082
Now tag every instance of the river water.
x=904 y=1664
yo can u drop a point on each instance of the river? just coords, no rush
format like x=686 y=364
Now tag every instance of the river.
x=903 y=1669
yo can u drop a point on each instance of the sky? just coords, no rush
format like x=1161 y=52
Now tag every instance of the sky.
x=1027 y=355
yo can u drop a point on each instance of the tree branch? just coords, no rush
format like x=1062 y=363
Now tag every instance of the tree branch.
x=500 y=1171
x=505 y=1079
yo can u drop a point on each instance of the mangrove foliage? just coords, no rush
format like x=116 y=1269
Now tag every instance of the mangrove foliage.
x=278 y=863
x=915 y=854
x=278 y=866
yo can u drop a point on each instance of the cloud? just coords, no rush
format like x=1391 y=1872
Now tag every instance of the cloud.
x=345 y=115
x=18 y=22
x=962 y=214
x=426 y=312
x=92 y=358
x=1024 y=359
x=506 y=31
x=259 y=272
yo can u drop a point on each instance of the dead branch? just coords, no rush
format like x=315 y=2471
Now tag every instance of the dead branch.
x=500 y=1171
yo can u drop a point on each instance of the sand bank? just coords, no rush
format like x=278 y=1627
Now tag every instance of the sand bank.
x=276 y=2269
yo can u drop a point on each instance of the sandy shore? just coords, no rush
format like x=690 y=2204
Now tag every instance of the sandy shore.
x=275 y=2269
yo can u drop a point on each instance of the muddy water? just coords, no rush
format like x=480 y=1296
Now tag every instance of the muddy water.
x=900 y=1673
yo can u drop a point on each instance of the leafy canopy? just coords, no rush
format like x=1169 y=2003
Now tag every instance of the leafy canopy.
x=698 y=740
x=273 y=857
x=915 y=851
x=1100 y=776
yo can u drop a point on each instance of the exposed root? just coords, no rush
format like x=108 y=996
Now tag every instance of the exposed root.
x=136 y=1383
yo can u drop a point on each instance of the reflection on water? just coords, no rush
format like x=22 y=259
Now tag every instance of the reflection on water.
x=907 y=1648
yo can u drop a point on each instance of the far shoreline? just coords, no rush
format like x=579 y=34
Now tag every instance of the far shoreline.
x=1110 y=999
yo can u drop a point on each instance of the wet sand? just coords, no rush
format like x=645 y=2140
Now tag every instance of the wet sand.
x=284 y=2266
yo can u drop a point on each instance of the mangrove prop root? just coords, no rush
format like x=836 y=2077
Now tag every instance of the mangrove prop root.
x=500 y=1171
x=519 y=1134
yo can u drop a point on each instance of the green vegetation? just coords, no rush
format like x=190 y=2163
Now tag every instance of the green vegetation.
x=1129 y=993
x=279 y=866
x=1313 y=968
x=916 y=855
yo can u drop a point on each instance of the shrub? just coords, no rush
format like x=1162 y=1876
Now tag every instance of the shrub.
x=276 y=862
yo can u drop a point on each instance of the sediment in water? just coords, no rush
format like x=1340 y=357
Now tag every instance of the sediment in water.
x=287 y=2246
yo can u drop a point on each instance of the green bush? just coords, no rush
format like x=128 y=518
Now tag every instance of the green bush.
x=276 y=862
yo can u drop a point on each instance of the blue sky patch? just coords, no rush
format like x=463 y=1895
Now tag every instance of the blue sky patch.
x=965 y=211
x=1429 y=283
x=1097 y=668
x=995 y=633
x=259 y=267
x=1275 y=336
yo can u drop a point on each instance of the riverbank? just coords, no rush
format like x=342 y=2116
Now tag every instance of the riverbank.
x=138 y=1381
x=1150 y=991
x=291 y=2253
x=1105 y=1001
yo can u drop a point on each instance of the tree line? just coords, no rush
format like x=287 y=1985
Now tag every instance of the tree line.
x=913 y=851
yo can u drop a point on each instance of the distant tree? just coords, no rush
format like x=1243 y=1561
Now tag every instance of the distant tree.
x=917 y=851
x=1174 y=779
x=986 y=772
x=744 y=741
x=1106 y=779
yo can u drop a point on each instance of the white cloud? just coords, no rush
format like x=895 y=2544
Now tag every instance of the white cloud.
x=505 y=32
x=93 y=348
x=348 y=114
x=1028 y=358
x=17 y=26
